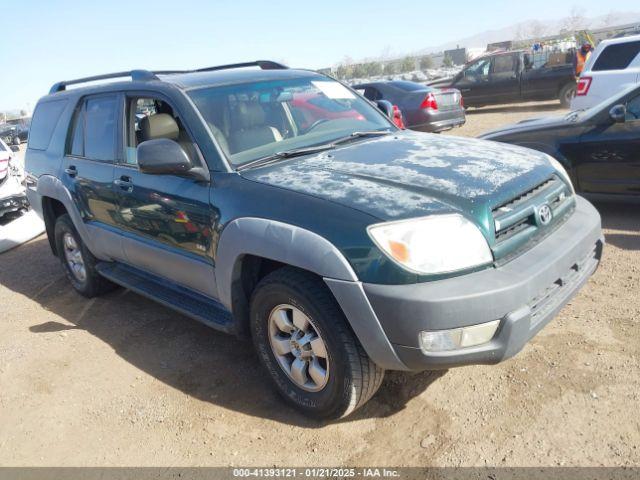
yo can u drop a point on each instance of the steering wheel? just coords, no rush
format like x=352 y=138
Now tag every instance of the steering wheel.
x=315 y=124
x=635 y=115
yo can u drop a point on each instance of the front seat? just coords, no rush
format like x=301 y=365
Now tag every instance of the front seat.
x=251 y=131
x=163 y=125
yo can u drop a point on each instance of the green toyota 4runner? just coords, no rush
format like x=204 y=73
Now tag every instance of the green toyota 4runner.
x=279 y=205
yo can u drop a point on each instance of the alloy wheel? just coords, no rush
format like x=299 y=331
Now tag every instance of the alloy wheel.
x=73 y=256
x=297 y=345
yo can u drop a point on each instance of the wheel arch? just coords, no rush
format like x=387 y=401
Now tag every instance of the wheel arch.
x=250 y=248
x=54 y=197
x=244 y=240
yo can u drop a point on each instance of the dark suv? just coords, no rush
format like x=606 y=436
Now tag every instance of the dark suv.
x=340 y=244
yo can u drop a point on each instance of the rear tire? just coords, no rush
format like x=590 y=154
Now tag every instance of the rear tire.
x=566 y=94
x=78 y=262
x=351 y=376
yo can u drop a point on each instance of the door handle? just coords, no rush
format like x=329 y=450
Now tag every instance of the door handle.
x=124 y=183
x=71 y=171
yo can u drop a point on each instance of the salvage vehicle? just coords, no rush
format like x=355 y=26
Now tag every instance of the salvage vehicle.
x=12 y=195
x=599 y=147
x=342 y=249
x=13 y=134
x=18 y=223
x=613 y=66
x=423 y=108
x=508 y=77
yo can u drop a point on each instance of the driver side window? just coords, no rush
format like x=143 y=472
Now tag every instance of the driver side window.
x=479 y=70
x=633 y=109
x=151 y=118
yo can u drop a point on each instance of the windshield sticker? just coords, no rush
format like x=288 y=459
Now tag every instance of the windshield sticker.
x=334 y=90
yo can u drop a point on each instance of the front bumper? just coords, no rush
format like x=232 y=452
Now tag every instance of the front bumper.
x=13 y=203
x=524 y=294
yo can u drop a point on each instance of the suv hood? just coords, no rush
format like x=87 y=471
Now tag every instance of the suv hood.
x=410 y=174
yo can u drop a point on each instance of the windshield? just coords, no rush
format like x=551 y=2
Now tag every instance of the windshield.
x=255 y=120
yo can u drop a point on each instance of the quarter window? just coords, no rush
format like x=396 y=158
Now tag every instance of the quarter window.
x=617 y=57
x=45 y=119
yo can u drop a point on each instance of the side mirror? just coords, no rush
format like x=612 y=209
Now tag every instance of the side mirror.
x=386 y=107
x=618 y=113
x=163 y=156
x=14 y=148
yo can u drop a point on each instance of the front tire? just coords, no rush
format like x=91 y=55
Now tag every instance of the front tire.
x=78 y=262
x=303 y=339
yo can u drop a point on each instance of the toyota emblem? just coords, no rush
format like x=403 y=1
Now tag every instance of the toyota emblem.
x=545 y=214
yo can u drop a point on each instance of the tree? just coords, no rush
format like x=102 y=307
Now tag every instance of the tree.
x=447 y=62
x=390 y=68
x=359 y=71
x=408 y=64
x=426 y=63
x=373 y=69
x=343 y=71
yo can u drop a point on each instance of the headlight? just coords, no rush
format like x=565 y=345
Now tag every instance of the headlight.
x=560 y=169
x=435 y=244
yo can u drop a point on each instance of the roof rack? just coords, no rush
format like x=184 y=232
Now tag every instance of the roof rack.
x=146 y=75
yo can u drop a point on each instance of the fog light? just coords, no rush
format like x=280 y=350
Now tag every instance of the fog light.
x=443 y=340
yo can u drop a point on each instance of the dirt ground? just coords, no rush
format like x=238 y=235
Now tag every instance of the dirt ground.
x=120 y=380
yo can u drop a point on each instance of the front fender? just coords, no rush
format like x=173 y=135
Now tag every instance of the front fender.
x=304 y=249
x=277 y=241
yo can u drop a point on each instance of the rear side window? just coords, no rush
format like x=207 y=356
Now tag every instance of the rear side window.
x=94 y=129
x=372 y=94
x=44 y=122
x=617 y=57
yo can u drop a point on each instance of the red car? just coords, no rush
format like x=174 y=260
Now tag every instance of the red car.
x=316 y=106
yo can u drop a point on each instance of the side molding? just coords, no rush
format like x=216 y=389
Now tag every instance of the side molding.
x=280 y=242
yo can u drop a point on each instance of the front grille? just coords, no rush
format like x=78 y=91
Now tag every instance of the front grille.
x=522 y=198
x=518 y=222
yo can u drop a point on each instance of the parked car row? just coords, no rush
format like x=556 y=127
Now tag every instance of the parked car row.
x=14 y=133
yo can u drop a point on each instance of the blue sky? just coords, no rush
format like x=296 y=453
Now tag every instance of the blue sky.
x=47 y=40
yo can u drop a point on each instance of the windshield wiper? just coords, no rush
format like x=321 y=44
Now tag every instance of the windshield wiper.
x=284 y=154
x=354 y=135
x=308 y=150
